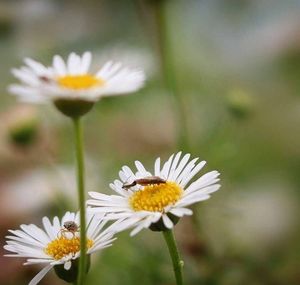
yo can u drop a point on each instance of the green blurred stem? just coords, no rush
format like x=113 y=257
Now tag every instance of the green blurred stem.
x=167 y=67
x=177 y=262
x=81 y=198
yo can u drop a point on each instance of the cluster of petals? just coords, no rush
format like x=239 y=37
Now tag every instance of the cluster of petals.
x=39 y=83
x=178 y=169
x=31 y=241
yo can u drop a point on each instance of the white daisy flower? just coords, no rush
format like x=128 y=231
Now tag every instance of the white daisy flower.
x=73 y=81
x=58 y=243
x=155 y=200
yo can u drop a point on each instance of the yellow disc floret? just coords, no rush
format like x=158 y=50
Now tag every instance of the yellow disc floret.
x=63 y=246
x=156 y=197
x=80 y=81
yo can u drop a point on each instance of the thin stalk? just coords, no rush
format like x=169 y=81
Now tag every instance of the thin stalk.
x=177 y=262
x=81 y=199
x=167 y=67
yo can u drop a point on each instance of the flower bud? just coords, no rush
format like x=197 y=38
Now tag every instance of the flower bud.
x=73 y=108
x=240 y=103
x=22 y=126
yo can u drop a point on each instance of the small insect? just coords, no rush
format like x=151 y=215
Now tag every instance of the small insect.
x=150 y=180
x=69 y=227
x=45 y=79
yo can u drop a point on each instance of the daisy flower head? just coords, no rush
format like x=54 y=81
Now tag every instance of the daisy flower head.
x=71 y=85
x=57 y=244
x=155 y=200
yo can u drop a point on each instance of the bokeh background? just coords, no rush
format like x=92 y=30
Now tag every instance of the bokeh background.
x=235 y=65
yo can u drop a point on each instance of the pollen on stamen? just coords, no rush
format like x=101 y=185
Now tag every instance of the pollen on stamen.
x=77 y=82
x=156 y=197
x=63 y=246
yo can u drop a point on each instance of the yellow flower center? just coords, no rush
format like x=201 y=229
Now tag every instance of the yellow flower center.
x=156 y=197
x=63 y=246
x=80 y=81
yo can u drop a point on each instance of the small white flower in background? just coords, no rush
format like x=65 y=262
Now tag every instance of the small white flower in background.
x=72 y=80
x=157 y=204
x=58 y=243
x=33 y=183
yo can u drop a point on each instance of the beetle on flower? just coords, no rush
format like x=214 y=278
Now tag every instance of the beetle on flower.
x=157 y=206
x=71 y=84
x=61 y=251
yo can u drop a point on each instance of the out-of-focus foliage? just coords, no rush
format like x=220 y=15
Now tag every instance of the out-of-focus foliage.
x=237 y=65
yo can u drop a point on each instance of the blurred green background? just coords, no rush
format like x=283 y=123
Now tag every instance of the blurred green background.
x=237 y=70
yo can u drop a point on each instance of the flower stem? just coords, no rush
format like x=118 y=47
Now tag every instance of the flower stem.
x=177 y=262
x=81 y=198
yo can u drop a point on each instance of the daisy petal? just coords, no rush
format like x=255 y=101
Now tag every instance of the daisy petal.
x=167 y=222
x=40 y=275
x=147 y=204
x=85 y=62
x=71 y=80
x=59 y=66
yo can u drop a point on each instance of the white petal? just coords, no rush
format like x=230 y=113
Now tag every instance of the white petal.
x=123 y=176
x=129 y=173
x=104 y=69
x=117 y=187
x=59 y=66
x=189 y=176
x=166 y=167
x=99 y=247
x=167 y=221
x=36 y=66
x=108 y=70
x=144 y=224
x=67 y=265
x=40 y=275
x=181 y=165
x=36 y=233
x=141 y=169
x=73 y=63
x=188 y=168
x=49 y=229
x=157 y=167
x=27 y=237
x=127 y=223
x=26 y=241
x=191 y=200
x=56 y=224
x=122 y=82
x=85 y=62
x=117 y=216
x=30 y=261
x=97 y=195
x=95 y=228
x=26 y=76
x=174 y=165
x=204 y=181
x=27 y=94
x=203 y=191
x=180 y=212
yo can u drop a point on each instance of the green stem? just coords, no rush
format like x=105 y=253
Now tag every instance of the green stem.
x=177 y=262
x=167 y=67
x=81 y=198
